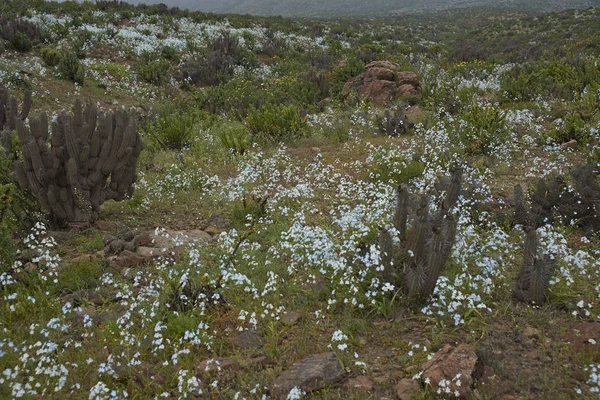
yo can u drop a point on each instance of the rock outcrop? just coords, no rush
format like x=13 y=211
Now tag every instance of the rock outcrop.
x=383 y=82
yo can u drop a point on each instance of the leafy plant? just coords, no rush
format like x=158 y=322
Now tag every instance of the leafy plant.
x=50 y=56
x=483 y=129
x=235 y=138
x=153 y=69
x=70 y=68
x=172 y=129
x=276 y=123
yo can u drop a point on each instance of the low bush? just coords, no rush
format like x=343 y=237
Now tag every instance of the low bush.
x=70 y=68
x=172 y=130
x=50 y=56
x=276 y=123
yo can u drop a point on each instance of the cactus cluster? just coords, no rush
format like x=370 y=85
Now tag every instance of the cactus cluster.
x=92 y=158
x=536 y=271
x=418 y=257
x=10 y=114
x=395 y=124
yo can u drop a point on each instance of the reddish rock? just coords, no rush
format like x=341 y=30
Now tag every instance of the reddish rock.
x=211 y=230
x=585 y=336
x=361 y=383
x=312 y=373
x=83 y=257
x=449 y=366
x=290 y=318
x=378 y=73
x=383 y=82
x=407 y=389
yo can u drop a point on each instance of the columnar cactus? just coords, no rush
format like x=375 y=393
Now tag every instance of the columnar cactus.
x=536 y=271
x=9 y=115
x=92 y=158
x=421 y=256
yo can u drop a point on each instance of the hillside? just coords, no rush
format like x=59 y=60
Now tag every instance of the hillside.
x=208 y=206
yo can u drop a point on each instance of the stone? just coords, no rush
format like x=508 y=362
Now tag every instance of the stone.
x=84 y=296
x=150 y=252
x=570 y=145
x=585 y=337
x=407 y=389
x=290 y=318
x=127 y=259
x=212 y=230
x=217 y=364
x=248 y=340
x=448 y=366
x=383 y=82
x=105 y=226
x=83 y=258
x=311 y=374
x=531 y=333
x=361 y=383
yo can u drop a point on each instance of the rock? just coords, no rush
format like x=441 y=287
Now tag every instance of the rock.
x=84 y=296
x=407 y=389
x=361 y=383
x=290 y=318
x=449 y=366
x=248 y=340
x=105 y=226
x=150 y=252
x=127 y=259
x=211 y=230
x=30 y=267
x=531 y=333
x=83 y=258
x=312 y=373
x=585 y=337
x=570 y=145
x=169 y=240
x=383 y=82
x=217 y=364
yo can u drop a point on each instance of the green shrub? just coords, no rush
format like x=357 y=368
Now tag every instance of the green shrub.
x=153 y=71
x=50 y=56
x=172 y=130
x=276 y=123
x=345 y=72
x=483 y=129
x=70 y=68
x=234 y=137
x=21 y=42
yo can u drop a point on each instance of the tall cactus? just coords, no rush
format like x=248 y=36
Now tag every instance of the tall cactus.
x=534 y=277
x=424 y=250
x=91 y=158
x=9 y=115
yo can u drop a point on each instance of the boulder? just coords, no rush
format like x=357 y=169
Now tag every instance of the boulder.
x=450 y=370
x=383 y=82
x=585 y=337
x=407 y=389
x=312 y=373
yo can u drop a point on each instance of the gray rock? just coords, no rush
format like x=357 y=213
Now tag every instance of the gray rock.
x=290 y=318
x=248 y=340
x=312 y=373
x=407 y=389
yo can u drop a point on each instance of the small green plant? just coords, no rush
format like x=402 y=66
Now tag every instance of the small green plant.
x=50 y=56
x=344 y=72
x=235 y=138
x=276 y=123
x=172 y=130
x=153 y=69
x=21 y=42
x=483 y=129
x=70 y=68
x=84 y=274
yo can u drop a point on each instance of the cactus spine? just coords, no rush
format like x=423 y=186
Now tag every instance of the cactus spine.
x=423 y=252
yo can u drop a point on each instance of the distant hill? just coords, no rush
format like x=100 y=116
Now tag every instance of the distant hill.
x=347 y=8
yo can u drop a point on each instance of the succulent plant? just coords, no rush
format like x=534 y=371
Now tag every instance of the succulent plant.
x=419 y=259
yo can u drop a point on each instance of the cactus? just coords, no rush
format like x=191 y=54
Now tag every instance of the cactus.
x=395 y=124
x=92 y=158
x=534 y=277
x=9 y=115
x=421 y=257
